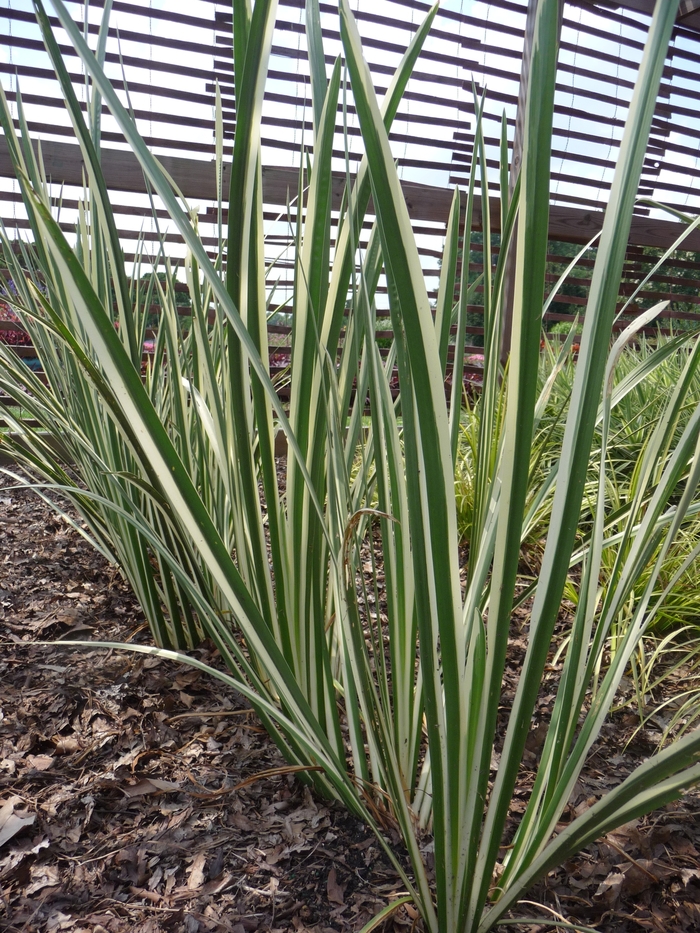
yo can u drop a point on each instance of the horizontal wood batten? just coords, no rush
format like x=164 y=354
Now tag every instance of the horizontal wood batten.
x=196 y=178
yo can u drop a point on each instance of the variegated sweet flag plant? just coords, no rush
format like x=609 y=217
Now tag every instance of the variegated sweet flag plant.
x=388 y=694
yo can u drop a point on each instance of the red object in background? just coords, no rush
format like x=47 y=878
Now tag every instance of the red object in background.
x=14 y=338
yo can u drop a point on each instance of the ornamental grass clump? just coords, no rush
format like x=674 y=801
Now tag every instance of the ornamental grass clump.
x=391 y=707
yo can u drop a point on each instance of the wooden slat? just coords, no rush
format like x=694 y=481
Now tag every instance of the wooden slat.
x=150 y=12
x=146 y=64
x=154 y=90
x=126 y=35
x=196 y=179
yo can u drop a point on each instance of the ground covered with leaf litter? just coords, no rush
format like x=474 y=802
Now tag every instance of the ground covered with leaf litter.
x=139 y=796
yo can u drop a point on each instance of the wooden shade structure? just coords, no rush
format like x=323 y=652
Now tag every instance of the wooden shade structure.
x=170 y=63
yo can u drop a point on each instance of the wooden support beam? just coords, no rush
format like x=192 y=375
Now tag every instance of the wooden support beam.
x=196 y=179
x=689 y=13
x=643 y=6
x=688 y=10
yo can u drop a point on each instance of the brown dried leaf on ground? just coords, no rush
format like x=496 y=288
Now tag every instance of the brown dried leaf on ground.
x=121 y=772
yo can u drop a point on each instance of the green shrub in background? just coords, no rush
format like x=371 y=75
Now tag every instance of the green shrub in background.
x=638 y=407
x=393 y=712
x=671 y=635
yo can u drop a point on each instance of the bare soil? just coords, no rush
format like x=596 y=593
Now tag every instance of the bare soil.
x=139 y=795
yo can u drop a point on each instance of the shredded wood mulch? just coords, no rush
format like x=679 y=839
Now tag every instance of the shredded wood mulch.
x=138 y=795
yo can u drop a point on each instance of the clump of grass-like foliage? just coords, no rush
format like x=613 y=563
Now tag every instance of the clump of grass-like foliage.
x=394 y=711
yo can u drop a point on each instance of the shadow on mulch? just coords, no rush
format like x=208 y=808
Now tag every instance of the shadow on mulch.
x=119 y=801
